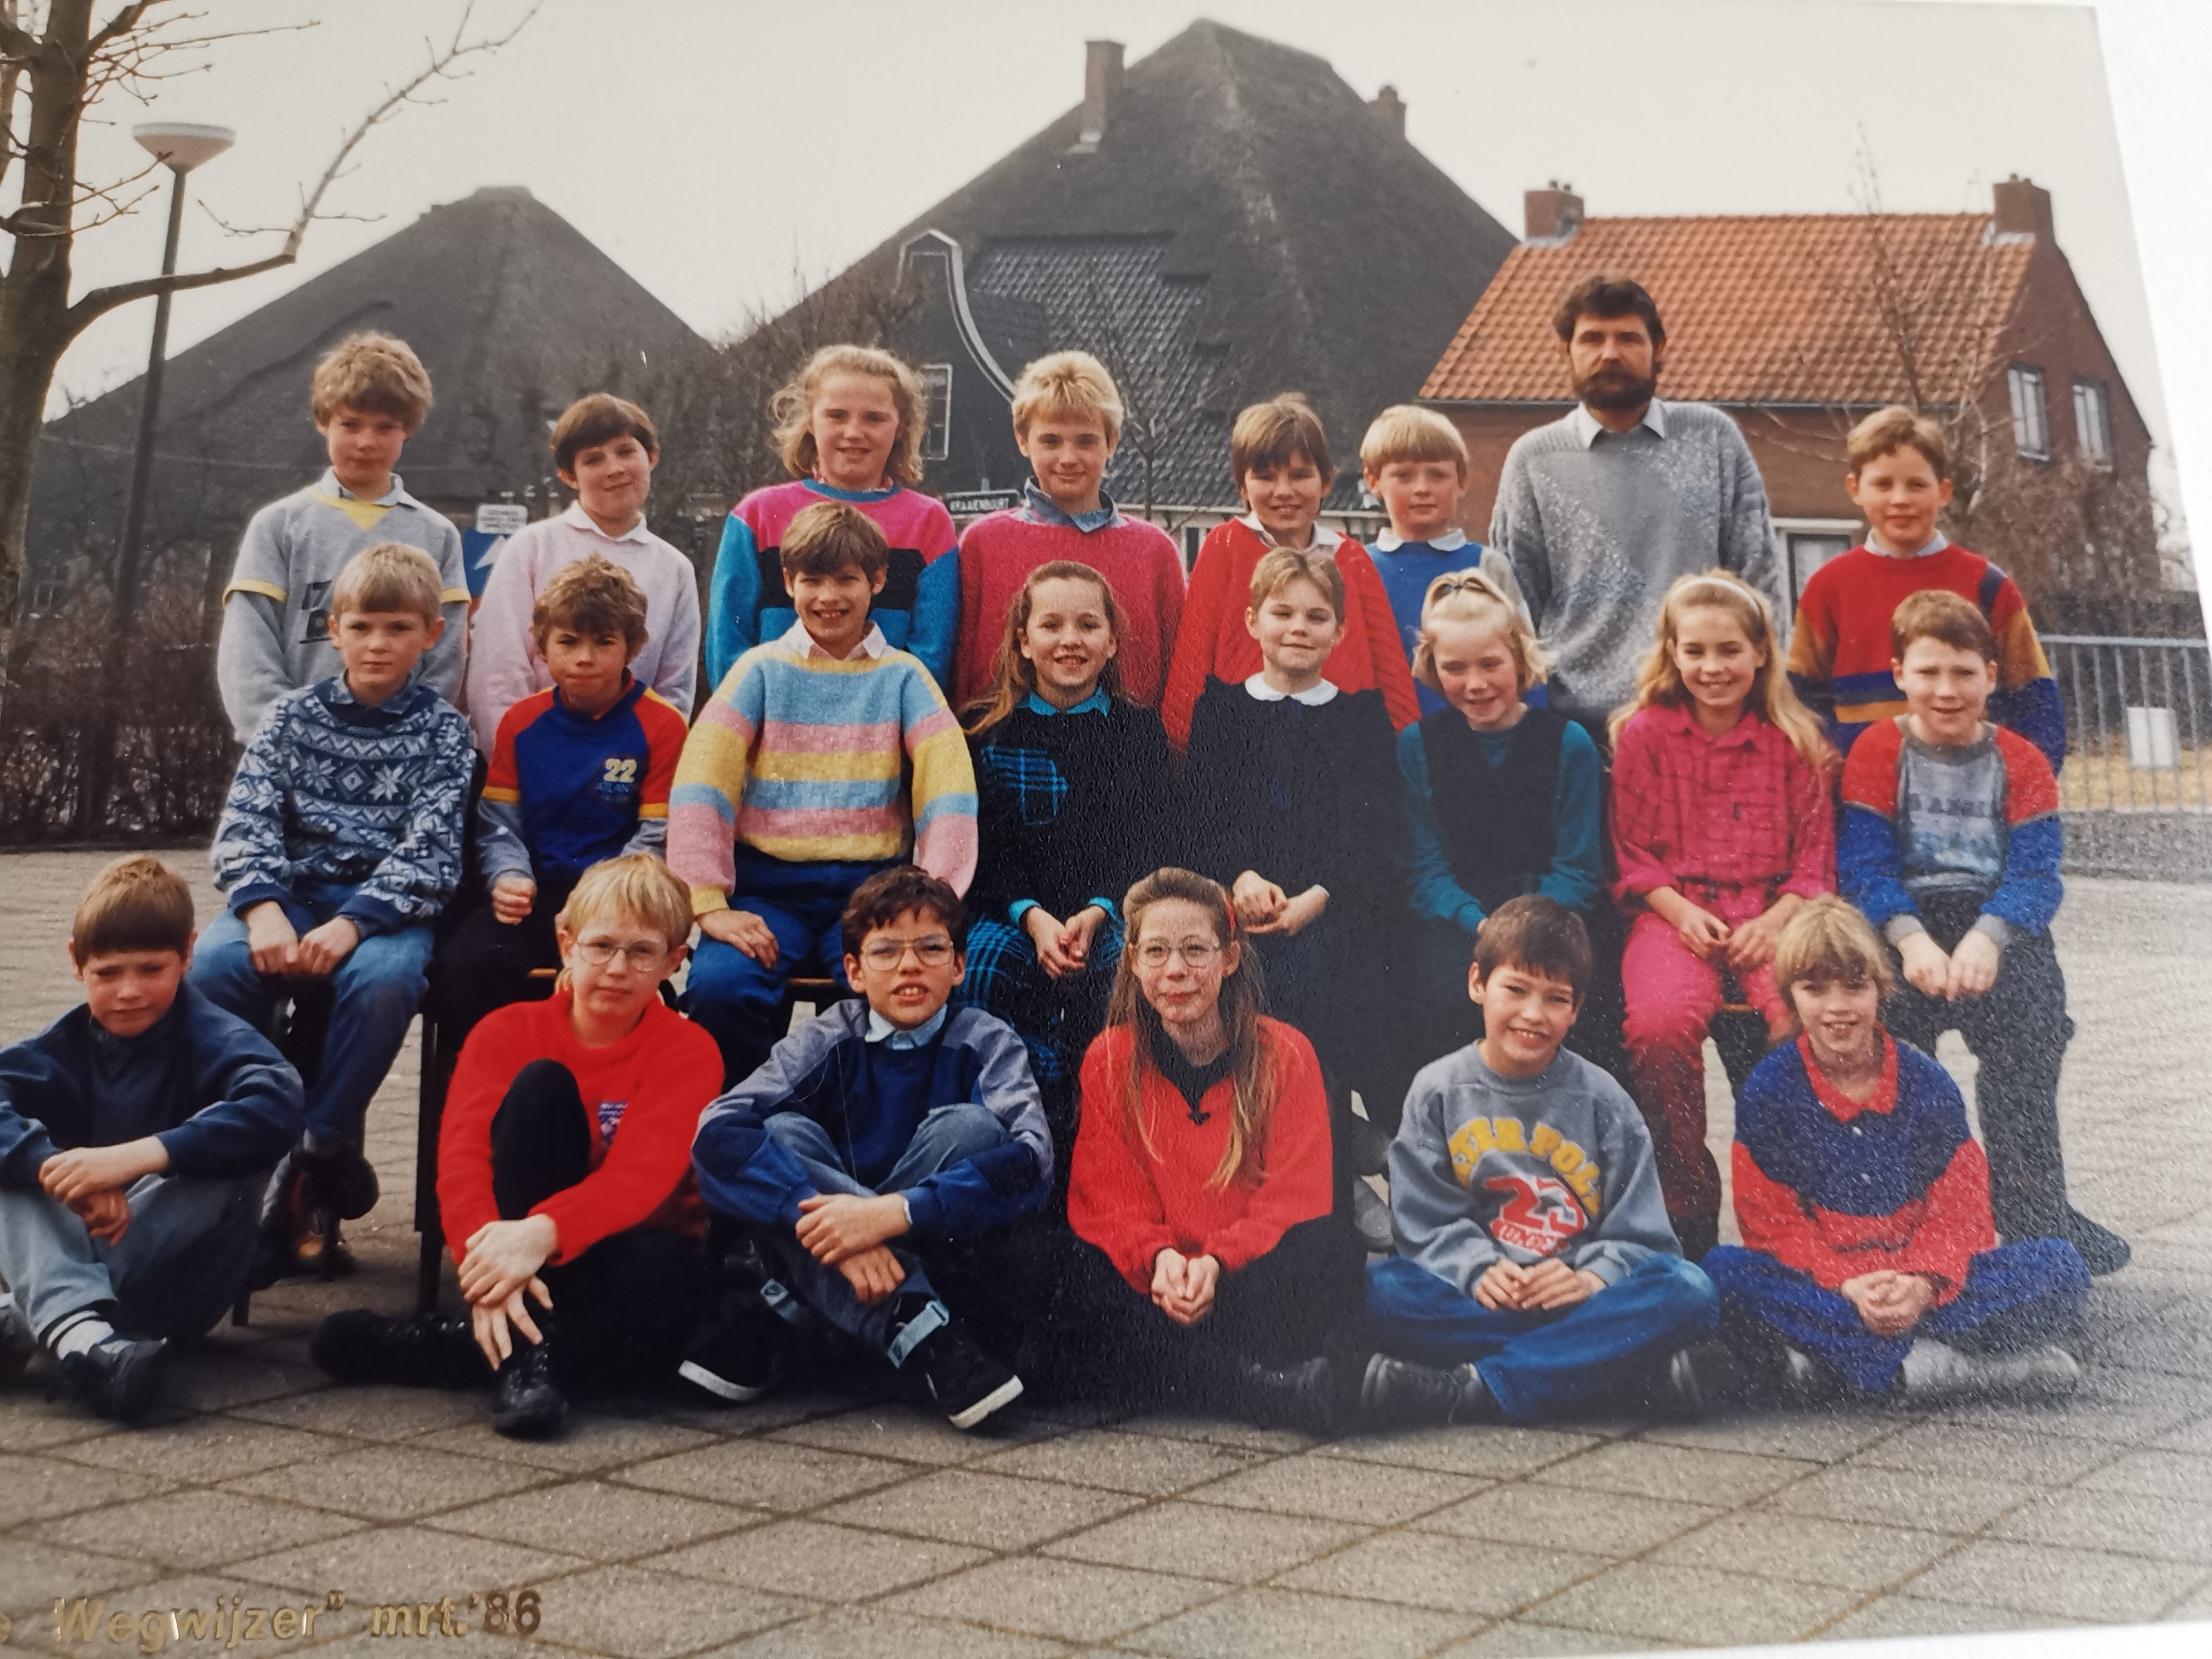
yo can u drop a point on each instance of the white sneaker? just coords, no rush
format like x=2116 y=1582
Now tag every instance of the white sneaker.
x=1934 y=1371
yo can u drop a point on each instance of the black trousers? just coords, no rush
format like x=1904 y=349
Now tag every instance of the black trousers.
x=1062 y=1312
x=623 y=1311
x=2018 y=1031
x=487 y=964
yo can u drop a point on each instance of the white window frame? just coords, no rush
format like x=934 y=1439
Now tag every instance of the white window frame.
x=1786 y=531
x=2031 y=411
x=2092 y=421
x=937 y=411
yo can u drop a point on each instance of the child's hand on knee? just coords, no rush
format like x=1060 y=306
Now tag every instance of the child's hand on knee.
x=1927 y=967
x=84 y=1171
x=1048 y=933
x=741 y=930
x=503 y=1257
x=873 y=1274
x=269 y=939
x=105 y=1214
x=512 y=897
x=1700 y=930
x=1551 y=1285
x=1974 y=965
x=1501 y=1287
x=837 y=1226
x=1075 y=936
x=322 y=949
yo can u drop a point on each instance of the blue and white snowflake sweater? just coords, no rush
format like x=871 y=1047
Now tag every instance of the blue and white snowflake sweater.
x=332 y=792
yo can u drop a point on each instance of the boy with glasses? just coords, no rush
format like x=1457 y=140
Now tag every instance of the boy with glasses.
x=885 y=1137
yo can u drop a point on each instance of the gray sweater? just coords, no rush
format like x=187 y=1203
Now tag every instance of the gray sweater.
x=1488 y=1168
x=275 y=611
x=1597 y=532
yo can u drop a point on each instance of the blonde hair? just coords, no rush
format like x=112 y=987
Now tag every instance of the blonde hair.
x=1407 y=432
x=1828 y=940
x=1470 y=597
x=1243 y=1004
x=389 y=576
x=375 y=374
x=792 y=409
x=1659 y=682
x=1067 y=386
x=1013 y=677
x=1888 y=431
x=636 y=886
x=136 y=903
x=1282 y=566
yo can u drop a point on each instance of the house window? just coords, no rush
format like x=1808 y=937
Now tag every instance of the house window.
x=48 y=595
x=1808 y=544
x=2093 y=420
x=936 y=406
x=2031 y=420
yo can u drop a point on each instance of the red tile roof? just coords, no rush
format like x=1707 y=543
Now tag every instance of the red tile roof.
x=1763 y=308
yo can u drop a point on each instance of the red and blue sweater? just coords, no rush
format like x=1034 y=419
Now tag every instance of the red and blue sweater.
x=1835 y=1188
x=1839 y=650
x=919 y=608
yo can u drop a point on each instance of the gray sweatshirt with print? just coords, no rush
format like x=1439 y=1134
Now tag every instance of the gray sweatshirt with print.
x=1488 y=1168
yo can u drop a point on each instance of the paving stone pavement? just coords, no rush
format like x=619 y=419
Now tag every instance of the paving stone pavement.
x=851 y=1525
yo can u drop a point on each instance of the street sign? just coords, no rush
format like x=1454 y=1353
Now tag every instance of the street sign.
x=502 y=518
x=974 y=503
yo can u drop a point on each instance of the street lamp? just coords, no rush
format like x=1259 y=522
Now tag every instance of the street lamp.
x=179 y=146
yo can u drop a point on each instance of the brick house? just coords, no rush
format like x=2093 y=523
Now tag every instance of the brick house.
x=1798 y=324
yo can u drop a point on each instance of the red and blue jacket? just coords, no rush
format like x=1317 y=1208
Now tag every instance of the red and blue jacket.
x=564 y=790
x=1835 y=1188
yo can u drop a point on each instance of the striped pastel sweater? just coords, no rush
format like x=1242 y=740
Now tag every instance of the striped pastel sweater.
x=809 y=760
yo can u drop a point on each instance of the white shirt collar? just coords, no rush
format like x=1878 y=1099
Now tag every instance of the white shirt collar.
x=800 y=643
x=391 y=497
x=1389 y=541
x=1313 y=696
x=577 y=519
x=899 y=1037
x=1587 y=428
x=1325 y=540
x=1934 y=544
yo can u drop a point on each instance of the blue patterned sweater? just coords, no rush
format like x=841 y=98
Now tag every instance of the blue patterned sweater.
x=331 y=792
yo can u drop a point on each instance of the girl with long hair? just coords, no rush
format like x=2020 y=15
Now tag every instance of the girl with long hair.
x=1071 y=781
x=1722 y=827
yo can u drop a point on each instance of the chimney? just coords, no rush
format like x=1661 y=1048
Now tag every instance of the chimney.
x=1552 y=214
x=1102 y=84
x=2023 y=208
x=1391 y=107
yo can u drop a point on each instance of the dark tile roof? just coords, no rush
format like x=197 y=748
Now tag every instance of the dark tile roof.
x=1244 y=202
x=1759 y=308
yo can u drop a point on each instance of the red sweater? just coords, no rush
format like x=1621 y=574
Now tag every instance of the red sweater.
x=650 y=1086
x=1213 y=642
x=1138 y=561
x=1132 y=1205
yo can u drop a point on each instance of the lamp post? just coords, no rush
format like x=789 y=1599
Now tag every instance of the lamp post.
x=180 y=147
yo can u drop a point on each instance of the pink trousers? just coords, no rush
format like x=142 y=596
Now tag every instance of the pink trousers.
x=1673 y=995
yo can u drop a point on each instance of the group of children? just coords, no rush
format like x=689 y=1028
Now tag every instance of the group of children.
x=1115 y=956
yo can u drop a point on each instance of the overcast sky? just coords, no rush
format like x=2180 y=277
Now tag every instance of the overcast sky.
x=716 y=149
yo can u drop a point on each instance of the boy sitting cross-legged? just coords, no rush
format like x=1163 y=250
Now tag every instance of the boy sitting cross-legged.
x=885 y=1138
x=1951 y=848
x=136 y=1133
x=339 y=845
x=579 y=773
x=1536 y=1264
x=824 y=757
x=1864 y=1204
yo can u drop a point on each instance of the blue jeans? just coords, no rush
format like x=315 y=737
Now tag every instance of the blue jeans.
x=178 y=1265
x=948 y=1135
x=374 y=995
x=734 y=999
x=2016 y=1296
x=1532 y=1362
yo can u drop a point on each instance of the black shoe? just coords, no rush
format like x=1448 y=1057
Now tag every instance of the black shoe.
x=17 y=1345
x=420 y=1351
x=1698 y=1379
x=1302 y=1397
x=2102 y=1250
x=1396 y=1394
x=1366 y=1148
x=1371 y=1219
x=962 y=1379
x=117 y=1376
x=527 y=1402
x=1698 y=1234
x=340 y=1177
x=738 y=1355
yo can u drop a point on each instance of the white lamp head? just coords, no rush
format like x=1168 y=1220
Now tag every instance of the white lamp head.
x=182 y=145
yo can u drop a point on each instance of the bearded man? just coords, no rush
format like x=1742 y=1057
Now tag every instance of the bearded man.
x=1602 y=509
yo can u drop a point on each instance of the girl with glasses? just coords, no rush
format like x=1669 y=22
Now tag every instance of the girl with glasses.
x=564 y=1175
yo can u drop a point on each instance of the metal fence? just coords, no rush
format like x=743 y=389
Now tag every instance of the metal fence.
x=2137 y=784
